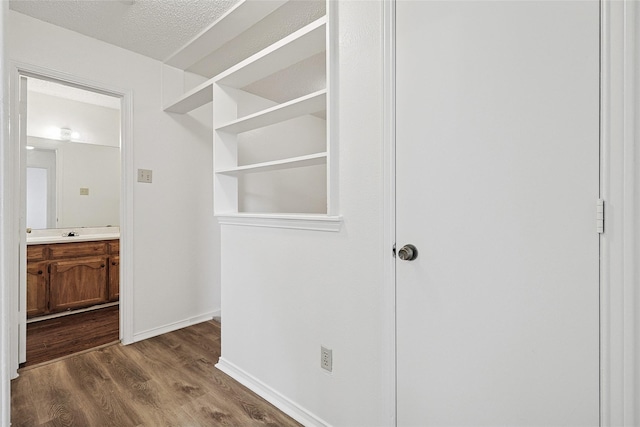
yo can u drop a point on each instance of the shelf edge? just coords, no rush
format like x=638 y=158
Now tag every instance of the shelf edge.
x=233 y=76
x=290 y=163
x=318 y=96
x=240 y=17
x=295 y=222
x=195 y=98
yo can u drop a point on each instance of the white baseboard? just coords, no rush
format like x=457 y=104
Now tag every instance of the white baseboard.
x=150 y=333
x=290 y=408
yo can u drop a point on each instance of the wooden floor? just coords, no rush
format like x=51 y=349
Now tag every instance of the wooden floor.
x=169 y=380
x=54 y=338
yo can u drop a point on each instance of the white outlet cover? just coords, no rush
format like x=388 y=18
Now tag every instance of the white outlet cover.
x=145 y=175
x=326 y=359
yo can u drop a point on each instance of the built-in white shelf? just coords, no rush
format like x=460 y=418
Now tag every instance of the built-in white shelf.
x=232 y=23
x=290 y=163
x=244 y=95
x=302 y=44
x=292 y=49
x=196 y=97
x=308 y=104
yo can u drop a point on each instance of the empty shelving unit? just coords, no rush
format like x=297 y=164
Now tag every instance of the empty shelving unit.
x=269 y=67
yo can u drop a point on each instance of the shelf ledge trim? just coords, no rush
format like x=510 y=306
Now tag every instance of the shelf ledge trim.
x=295 y=222
x=290 y=163
x=308 y=104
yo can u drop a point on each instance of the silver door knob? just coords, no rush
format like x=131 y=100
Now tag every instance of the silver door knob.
x=408 y=253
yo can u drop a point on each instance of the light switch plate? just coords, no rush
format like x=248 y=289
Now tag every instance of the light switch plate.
x=145 y=175
x=84 y=191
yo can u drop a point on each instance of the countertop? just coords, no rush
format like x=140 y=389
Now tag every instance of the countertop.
x=38 y=237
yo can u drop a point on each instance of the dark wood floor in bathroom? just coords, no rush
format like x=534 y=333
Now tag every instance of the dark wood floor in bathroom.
x=168 y=380
x=55 y=338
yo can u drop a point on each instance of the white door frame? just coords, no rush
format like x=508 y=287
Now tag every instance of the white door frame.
x=389 y=210
x=6 y=247
x=620 y=188
x=18 y=238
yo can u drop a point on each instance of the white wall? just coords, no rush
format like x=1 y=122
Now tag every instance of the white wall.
x=175 y=236
x=287 y=292
x=95 y=124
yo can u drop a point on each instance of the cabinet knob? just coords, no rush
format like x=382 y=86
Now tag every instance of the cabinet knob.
x=113 y=263
x=39 y=271
x=102 y=265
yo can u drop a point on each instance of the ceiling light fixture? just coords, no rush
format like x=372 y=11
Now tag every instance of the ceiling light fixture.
x=65 y=134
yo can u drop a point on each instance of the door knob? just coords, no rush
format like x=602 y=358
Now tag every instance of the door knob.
x=408 y=253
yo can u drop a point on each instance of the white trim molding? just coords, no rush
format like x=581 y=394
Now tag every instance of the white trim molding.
x=389 y=233
x=6 y=227
x=287 y=406
x=297 y=222
x=150 y=333
x=620 y=188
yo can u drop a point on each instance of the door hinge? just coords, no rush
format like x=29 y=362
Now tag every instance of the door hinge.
x=600 y=216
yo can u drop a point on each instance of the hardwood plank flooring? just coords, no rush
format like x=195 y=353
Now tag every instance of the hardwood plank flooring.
x=169 y=380
x=54 y=338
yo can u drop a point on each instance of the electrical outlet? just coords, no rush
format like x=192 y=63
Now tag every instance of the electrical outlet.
x=145 y=175
x=326 y=359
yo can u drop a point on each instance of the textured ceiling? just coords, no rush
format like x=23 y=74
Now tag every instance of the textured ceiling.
x=154 y=28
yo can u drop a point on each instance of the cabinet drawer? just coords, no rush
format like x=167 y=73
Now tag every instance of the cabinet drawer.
x=114 y=247
x=36 y=252
x=80 y=249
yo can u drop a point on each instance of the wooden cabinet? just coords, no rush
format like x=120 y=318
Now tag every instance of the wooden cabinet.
x=37 y=288
x=68 y=276
x=114 y=271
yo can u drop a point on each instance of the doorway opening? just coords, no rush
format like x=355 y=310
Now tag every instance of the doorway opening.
x=70 y=189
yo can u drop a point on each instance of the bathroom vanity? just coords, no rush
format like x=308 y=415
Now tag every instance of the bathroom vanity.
x=65 y=274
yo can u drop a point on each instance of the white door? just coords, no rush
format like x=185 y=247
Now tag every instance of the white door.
x=41 y=189
x=497 y=181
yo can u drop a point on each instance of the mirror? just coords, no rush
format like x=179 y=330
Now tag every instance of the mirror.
x=72 y=157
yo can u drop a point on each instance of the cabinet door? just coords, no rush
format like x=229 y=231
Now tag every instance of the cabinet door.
x=37 y=277
x=78 y=283
x=114 y=278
